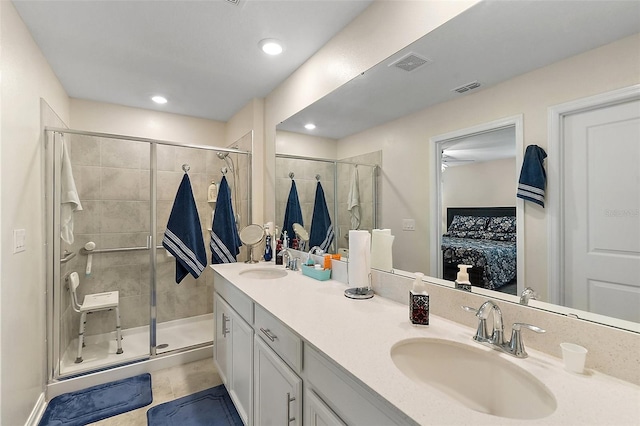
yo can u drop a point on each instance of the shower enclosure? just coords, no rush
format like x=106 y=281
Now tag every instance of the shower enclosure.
x=335 y=177
x=126 y=188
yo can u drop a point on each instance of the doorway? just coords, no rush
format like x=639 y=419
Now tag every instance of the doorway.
x=441 y=160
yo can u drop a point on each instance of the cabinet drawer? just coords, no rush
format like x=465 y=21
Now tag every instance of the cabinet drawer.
x=282 y=340
x=241 y=303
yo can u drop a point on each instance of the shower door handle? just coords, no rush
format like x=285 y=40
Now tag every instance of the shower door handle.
x=225 y=330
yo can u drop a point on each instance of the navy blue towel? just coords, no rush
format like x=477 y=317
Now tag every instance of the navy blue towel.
x=225 y=241
x=292 y=214
x=321 y=227
x=532 y=176
x=183 y=236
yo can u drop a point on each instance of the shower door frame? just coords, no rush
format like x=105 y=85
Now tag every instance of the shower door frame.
x=53 y=250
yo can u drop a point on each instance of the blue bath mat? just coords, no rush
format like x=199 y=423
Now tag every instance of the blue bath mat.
x=210 y=407
x=98 y=402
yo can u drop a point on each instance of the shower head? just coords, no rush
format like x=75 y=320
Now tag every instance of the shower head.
x=222 y=155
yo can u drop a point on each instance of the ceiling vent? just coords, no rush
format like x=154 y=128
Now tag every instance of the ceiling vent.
x=410 y=62
x=466 y=87
x=233 y=2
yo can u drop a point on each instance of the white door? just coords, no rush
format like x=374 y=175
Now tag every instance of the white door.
x=601 y=210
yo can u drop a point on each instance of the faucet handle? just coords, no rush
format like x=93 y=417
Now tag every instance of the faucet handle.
x=482 y=334
x=469 y=309
x=516 y=345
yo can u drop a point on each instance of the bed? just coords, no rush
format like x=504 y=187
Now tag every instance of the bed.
x=485 y=238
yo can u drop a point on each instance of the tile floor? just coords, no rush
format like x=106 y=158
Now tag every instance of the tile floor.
x=169 y=384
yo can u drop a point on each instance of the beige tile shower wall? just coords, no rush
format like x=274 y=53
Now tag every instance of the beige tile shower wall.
x=112 y=177
x=365 y=180
x=305 y=172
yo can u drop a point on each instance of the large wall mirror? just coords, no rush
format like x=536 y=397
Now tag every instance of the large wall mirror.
x=497 y=60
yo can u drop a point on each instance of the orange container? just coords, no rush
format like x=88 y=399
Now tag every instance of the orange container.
x=327 y=261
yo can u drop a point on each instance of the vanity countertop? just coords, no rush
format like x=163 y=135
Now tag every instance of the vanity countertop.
x=359 y=334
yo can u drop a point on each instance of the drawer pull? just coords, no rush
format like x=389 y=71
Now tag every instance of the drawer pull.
x=290 y=399
x=269 y=334
x=225 y=330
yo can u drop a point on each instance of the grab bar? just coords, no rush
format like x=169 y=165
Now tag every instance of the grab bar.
x=113 y=250
x=67 y=256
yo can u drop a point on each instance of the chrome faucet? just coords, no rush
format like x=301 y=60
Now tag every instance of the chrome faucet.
x=495 y=340
x=498 y=328
x=317 y=249
x=288 y=260
x=527 y=294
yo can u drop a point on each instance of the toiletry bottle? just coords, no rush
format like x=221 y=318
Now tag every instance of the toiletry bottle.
x=462 y=280
x=327 y=261
x=419 y=302
x=268 y=253
x=278 y=249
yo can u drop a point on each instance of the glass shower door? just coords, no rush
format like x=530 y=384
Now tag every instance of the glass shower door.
x=106 y=251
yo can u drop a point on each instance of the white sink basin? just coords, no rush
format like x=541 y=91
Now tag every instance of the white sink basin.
x=264 y=273
x=478 y=379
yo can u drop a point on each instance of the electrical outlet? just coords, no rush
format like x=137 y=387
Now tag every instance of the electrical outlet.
x=408 y=224
x=19 y=237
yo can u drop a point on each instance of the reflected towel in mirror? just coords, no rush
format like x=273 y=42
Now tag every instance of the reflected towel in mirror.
x=321 y=228
x=353 y=203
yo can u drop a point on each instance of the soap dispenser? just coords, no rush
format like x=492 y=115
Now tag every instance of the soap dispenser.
x=462 y=280
x=419 y=302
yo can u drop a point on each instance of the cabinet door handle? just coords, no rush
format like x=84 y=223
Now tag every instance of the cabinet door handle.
x=269 y=334
x=225 y=330
x=290 y=399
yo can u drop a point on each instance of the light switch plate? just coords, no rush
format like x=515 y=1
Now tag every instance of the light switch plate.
x=408 y=224
x=19 y=237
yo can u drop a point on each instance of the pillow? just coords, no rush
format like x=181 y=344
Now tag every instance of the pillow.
x=468 y=223
x=505 y=224
x=464 y=234
x=498 y=236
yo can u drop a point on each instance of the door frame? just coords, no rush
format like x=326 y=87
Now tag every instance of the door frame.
x=516 y=121
x=555 y=177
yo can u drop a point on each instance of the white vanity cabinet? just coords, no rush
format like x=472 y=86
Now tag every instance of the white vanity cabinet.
x=317 y=412
x=278 y=390
x=251 y=341
x=233 y=356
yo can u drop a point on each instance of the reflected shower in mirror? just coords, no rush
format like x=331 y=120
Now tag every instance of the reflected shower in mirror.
x=336 y=178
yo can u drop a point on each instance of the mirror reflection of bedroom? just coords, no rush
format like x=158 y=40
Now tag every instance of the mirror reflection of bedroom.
x=478 y=187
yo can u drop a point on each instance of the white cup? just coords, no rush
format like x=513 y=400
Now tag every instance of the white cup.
x=574 y=357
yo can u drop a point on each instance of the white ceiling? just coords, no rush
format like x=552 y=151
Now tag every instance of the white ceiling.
x=491 y=42
x=201 y=55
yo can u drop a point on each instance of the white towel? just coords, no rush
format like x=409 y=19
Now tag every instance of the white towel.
x=381 y=249
x=353 y=204
x=69 y=199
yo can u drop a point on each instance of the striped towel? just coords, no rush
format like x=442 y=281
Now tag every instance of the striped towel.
x=225 y=241
x=183 y=236
x=321 y=227
x=532 y=176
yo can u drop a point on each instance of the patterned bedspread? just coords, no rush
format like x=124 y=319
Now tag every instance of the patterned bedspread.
x=498 y=258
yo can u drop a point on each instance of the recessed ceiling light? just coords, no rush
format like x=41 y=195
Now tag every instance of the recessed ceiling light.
x=309 y=126
x=271 y=46
x=159 y=99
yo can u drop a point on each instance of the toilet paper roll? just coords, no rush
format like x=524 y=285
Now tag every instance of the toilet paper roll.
x=359 y=258
x=381 y=249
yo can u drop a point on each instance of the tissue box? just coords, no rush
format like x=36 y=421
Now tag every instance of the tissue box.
x=318 y=274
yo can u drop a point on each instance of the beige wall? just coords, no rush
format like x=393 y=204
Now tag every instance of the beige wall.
x=484 y=184
x=306 y=145
x=367 y=40
x=406 y=147
x=120 y=120
x=26 y=77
